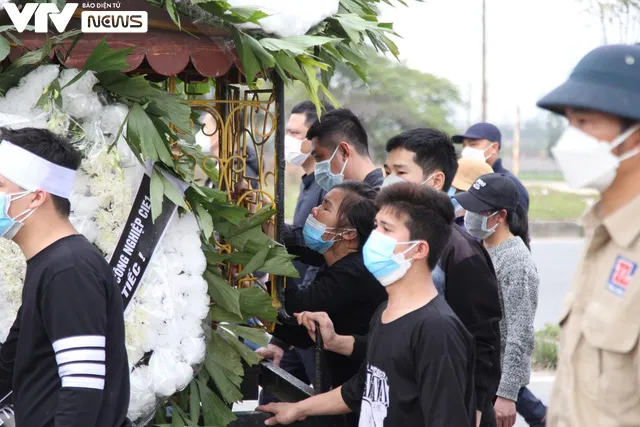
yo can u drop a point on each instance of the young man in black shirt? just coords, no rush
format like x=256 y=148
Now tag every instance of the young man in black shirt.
x=65 y=358
x=464 y=274
x=419 y=365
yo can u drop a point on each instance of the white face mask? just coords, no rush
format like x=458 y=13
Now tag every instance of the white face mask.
x=203 y=141
x=587 y=162
x=293 y=151
x=391 y=179
x=394 y=179
x=474 y=153
x=476 y=225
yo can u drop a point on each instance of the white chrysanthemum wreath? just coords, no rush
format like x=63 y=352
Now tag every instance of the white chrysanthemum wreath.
x=164 y=322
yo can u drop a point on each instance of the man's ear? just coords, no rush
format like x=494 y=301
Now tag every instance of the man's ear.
x=438 y=181
x=38 y=198
x=420 y=251
x=349 y=235
x=345 y=149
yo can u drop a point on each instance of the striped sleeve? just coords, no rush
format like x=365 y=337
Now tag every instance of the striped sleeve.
x=81 y=361
x=74 y=311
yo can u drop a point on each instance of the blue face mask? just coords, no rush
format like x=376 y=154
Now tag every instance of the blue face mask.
x=9 y=227
x=380 y=260
x=314 y=230
x=456 y=206
x=324 y=177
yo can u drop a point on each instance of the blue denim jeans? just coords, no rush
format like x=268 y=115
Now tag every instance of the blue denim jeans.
x=531 y=408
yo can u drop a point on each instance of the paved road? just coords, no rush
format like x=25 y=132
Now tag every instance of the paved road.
x=556 y=260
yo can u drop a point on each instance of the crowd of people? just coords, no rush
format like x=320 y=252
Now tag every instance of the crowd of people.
x=451 y=343
x=419 y=278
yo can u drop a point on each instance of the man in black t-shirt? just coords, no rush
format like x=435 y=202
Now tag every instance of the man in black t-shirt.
x=64 y=360
x=419 y=365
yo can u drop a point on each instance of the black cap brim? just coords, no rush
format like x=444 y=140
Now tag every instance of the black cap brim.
x=591 y=96
x=458 y=139
x=471 y=203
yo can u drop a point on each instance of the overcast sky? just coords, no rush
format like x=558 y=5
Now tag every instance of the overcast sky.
x=532 y=46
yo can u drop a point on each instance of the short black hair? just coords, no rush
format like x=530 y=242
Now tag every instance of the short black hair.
x=429 y=214
x=358 y=209
x=54 y=148
x=310 y=112
x=340 y=125
x=433 y=151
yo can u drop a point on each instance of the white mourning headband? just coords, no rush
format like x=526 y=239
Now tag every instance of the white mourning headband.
x=32 y=172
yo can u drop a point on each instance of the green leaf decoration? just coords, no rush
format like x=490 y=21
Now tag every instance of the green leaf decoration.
x=4 y=48
x=255 y=302
x=256 y=262
x=157 y=194
x=255 y=335
x=194 y=402
x=173 y=193
x=246 y=353
x=223 y=294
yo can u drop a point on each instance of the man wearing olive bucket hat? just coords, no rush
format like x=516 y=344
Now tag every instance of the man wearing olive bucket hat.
x=598 y=381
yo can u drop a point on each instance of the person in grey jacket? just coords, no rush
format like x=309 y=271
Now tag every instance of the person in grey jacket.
x=495 y=216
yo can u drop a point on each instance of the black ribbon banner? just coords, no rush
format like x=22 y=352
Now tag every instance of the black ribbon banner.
x=139 y=240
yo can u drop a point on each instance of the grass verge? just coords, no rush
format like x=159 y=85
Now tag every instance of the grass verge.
x=545 y=350
x=551 y=205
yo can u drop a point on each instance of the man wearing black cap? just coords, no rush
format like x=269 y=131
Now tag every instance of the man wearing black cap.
x=598 y=380
x=483 y=141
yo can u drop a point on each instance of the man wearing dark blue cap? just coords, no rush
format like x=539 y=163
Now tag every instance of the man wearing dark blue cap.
x=598 y=378
x=483 y=141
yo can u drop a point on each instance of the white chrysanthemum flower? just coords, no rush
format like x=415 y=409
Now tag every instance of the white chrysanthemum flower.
x=166 y=316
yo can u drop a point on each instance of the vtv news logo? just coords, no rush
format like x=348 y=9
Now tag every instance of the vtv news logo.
x=92 y=21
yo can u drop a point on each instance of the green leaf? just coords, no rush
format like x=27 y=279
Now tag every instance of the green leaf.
x=194 y=402
x=256 y=262
x=157 y=194
x=255 y=302
x=173 y=193
x=256 y=335
x=214 y=411
x=247 y=57
x=223 y=364
x=143 y=133
x=4 y=48
x=206 y=222
x=173 y=13
x=247 y=354
x=177 y=420
x=329 y=95
x=219 y=314
x=297 y=45
x=231 y=213
x=279 y=263
x=289 y=65
x=264 y=57
x=222 y=293
x=103 y=58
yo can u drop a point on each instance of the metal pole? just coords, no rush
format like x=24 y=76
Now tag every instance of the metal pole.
x=280 y=164
x=516 y=144
x=484 y=61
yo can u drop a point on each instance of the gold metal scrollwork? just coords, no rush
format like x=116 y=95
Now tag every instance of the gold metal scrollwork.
x=245 y=126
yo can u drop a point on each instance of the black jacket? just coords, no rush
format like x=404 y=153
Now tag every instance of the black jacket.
x=350 y=295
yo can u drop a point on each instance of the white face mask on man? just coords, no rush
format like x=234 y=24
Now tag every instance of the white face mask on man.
x=475 y=153
x=587 y=162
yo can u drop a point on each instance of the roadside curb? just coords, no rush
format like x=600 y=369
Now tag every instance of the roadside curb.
x=543 y=229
